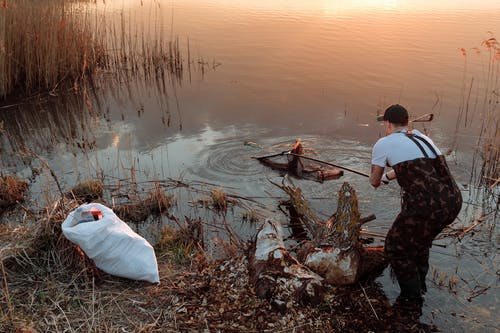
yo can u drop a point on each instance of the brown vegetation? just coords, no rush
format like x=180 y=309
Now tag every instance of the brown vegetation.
x=51 y=288
x=48 y=284
x=87 y=191
x=46 y=46
x=45 y=43
x=155 y=203
x=12 y=191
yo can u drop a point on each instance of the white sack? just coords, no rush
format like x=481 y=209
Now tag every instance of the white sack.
x=111 y=243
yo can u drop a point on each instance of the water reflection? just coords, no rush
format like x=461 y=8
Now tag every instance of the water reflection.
x=331 y=7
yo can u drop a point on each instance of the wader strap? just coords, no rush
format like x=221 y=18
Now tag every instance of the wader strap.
x=427 y=144
x=410 y=136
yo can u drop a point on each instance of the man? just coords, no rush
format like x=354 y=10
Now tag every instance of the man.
x=430 y=200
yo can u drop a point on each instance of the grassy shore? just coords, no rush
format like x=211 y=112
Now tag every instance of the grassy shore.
x=49 y=285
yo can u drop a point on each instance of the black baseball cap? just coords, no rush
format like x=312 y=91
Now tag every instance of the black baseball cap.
x=395 y=114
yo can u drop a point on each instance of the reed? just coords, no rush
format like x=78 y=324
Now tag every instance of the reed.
x=482 y=107
x=44 y=44
x=48 y=45
x=490 y=127
x=136 y=50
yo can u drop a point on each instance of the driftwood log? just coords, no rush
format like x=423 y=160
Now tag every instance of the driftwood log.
x=335 y=250
x=276 y=275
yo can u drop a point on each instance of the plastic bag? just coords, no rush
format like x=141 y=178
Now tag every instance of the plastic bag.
x=111 y=243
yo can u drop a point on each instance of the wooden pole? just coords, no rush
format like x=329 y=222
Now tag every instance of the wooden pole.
x=273 y=155
x=423 y=118
x=331 y=164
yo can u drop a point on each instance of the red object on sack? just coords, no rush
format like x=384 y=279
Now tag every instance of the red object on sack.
x=96 y=214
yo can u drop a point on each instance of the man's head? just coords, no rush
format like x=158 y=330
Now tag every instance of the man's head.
x=396 y=114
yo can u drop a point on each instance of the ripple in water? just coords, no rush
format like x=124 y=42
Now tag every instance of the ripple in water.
x=228 y=160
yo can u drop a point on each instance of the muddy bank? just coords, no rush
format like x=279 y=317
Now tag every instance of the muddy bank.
x=49 y=284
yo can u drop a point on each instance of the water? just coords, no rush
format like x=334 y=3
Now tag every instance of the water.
x=276 y=71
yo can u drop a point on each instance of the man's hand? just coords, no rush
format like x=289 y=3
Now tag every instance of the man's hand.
x=385 y=180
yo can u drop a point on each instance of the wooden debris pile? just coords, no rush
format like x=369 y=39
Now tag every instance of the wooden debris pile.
x=334 y=252
x=279 y=277
x=335 y=249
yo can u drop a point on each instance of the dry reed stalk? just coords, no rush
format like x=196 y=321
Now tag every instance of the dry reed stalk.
x=145 y=52
x=44 y=43
x=489 y=134
x=47 y=44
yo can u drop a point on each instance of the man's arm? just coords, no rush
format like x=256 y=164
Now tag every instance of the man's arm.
x=376 y=175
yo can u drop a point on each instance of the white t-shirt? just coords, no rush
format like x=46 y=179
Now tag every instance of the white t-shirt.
x=397 y=147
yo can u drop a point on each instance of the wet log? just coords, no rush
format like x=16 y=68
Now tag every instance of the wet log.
x=276 y=275
x=337 y=255
x=335 y=251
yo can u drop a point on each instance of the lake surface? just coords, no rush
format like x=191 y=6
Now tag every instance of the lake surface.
x=274 y=71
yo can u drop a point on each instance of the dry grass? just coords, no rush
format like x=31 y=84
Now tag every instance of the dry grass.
x=48 y=285
x=87 y=191
x=45 y=43
x=54 y=44
x=251 y=216
x=12 y=191
x=219 y=199
x=156 y=203
x=40 y=292
x=179 y=245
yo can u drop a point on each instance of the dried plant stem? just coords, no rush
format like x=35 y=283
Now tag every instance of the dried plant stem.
x=369 y=302
x=52 y=173
x=10 y=310
x=471 y=227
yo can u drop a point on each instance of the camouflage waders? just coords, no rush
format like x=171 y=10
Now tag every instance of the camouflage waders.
x=430 y=201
